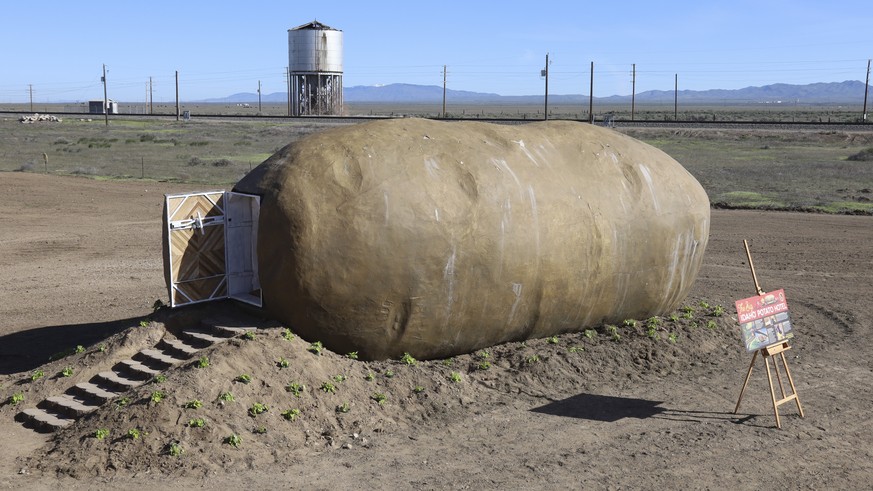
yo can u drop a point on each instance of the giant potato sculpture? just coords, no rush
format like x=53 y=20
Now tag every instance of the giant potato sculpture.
x=440 y=238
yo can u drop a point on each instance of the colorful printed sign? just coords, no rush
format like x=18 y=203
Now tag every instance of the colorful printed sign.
x=764 y=320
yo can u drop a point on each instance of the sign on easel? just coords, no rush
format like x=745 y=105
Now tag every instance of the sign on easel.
x=764 y=320
x=766 y=328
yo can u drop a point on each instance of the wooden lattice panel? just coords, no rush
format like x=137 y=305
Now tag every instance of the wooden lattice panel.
x=197 y=247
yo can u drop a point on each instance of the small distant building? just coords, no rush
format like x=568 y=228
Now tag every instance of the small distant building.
x=96 y=107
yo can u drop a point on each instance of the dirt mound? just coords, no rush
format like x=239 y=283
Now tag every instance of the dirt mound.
x=284 y=397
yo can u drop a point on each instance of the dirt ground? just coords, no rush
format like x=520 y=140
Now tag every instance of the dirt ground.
x=81 y=264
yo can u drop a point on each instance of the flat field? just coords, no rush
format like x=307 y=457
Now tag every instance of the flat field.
x=651 y=408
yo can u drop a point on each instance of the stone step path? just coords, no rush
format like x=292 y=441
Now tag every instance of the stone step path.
x=62 y=410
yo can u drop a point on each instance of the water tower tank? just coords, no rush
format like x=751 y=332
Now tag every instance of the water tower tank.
x=315 y=61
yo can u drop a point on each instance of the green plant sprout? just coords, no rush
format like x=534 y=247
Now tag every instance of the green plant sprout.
x=257 y=408
x=102 y=348
x=484 y=354
x=174 y=449
x=389 y=373
x=159 y=378
x=295 y=388
x=328 y=387
x=672 y=337
x=36 y=375
x=552 y=340
x=226 y=397
x=133 y=434
x=674 y=318
x=203 y=362
x=67 y=372
x=233 y=440
x=249 y=335
x=243 y=378
x=315 y=347
x=483 y=365
x=448 y=361
x=101 y=433
x=418 y=389
x=282 y=363
x=259 y=430
x=352 y=355
x=291 y=414
x=79 y=349
x=120 y=403
x=144 y=323
x=408 y=359
x=455 y=377
x=718 y=311
x=197 y=423
x=287 y=334
x=193 y=404
x=575 y=349
x=343 y=408
x=339 y=378
x=630 y=323
x=16 y=398
x=590 y=333
x=369 y=377
x=532 y=359
x=158 y=396
x=379 y=398
x=711 y=324
x=703 y=305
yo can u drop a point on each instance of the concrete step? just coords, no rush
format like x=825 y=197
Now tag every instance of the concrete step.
x=70 y=406
x=138 y=370
x=43 y=419
x=178 y=347
x=95 y=392
x=203 y=338
x=119 y=381
x=160 y=357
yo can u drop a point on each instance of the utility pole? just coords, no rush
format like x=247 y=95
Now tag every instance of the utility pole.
x=444 y=91
x=105 y=97
x=259 y=97
x=151 y=96
x=546 y=74
x=676 y=98
x=866 y=88
x=177 y=95
x=288 y=83
x=633 y=89
x=31 y=93
x=591 y=96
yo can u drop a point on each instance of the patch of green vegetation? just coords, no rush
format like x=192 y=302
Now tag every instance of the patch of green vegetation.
x=552 y=340
x=418 y=389
x=455 y=377
x=174 y=449
x=483 y=365
x=389 y=373
x=291 y=414
x=133 y=433
x=408 y=359
x=226 y=397
x=193 y=404
x=101 y=433
x=287 y=334
x=36 y=375
x=157 y=396
x=258 y=408
x=243 y=378
x=249 y=335
x=846 y=207
x=122 y=402
x=328 y=388
x=16 y=398
x=196 y=423
x=282 y=363
x=295 y=388
x=315 y=347
x=233 y=440
x=159 y=378
x=530 y=360
x=67 y=372
x=747 y=199
x=79 y=349
x=352 y=355
x=575 y=349
x=202 y=362
x=379 y=397
x=343 y=408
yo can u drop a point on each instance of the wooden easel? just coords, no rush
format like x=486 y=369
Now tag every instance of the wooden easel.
x=768 y=352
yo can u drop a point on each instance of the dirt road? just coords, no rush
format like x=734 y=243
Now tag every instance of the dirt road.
x=80 y=260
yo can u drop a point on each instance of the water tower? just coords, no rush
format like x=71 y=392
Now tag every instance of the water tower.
x=315 y=61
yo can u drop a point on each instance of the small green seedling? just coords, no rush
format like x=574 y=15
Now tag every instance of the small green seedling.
x=369 y=377
x=328 y=387
x=674 y=318
x=389 y=373
x=532 y=359
x=455 y=377
x=144 y=323
x=16 y=398
x=653 y=322
x=102 y=348
x=133 y=434
x=418 y=389
x=483 y=365
x=590 y=333
x=711 y=324
x=67 y=372
x=79 y=349
x=291 y=414
x=718 y=311
x=703 y=305
x=282 y=363
x=101 y=433
x=203 y=362
x=158 y=396
x=287 y=334
x=575 y=349
x=613 y=332
x=630 y=323
x=249 y=336
x=448 y=361
x=159 y=378
x=120 y=403
x=408 y=359
x=379 y=398
x=352 y=356
x=259 y=430
x=315 y=347
x=257 y=408
x=38 y=374
x=484 y=354
x=233 y=440
x=243 y=378
x=193 y=404
x=672 y=337
x=688 y=315
x=174 y=449
x=295 y=388
x=339 y=378
x=552 y=340
x=343 y=408
x=652 y=332
x=196 y=423
x=687 y=309
x=226 y=397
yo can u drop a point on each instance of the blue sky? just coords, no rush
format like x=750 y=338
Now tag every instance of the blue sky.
x=220 y=48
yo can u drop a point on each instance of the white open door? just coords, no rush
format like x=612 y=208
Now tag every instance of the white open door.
x=211 y=247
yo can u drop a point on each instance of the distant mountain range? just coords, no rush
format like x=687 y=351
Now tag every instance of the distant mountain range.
x=850 y=91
